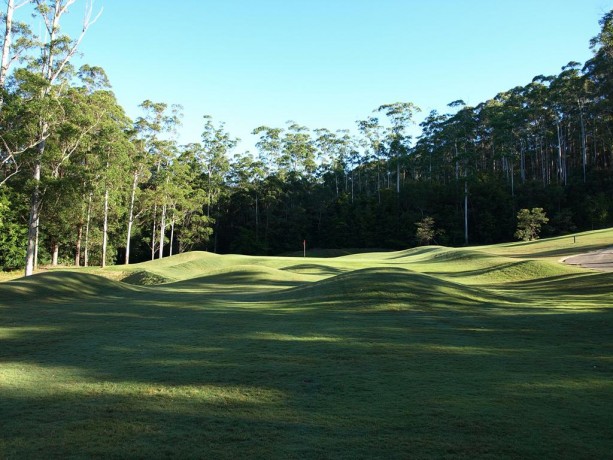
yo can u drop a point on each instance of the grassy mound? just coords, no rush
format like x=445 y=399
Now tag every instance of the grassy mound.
x=60 y=285
x=384 y=286
x=240 y=279
x=315 y=269
x=144 y=278
x=323 y=253
x=176 y=268
x=526 y=270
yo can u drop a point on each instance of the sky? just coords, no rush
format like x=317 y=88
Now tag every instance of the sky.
x=327 y=63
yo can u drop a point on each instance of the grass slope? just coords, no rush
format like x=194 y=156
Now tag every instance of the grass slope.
x=433 y=352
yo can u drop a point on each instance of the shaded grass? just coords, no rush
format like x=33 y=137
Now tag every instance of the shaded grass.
x=390 y=355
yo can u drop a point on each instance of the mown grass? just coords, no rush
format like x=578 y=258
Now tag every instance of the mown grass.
x=426 y=353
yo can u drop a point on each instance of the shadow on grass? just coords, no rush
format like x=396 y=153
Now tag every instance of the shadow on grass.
x=561 y=252
x=381 y=363
x=317 y=269
x=235 y=282
x=511 y=271
x=587 y=285
x=416 y=251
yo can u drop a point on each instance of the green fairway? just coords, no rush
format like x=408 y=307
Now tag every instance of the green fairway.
x=433 y=352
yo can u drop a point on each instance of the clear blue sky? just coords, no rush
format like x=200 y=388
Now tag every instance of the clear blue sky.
x=327 y=63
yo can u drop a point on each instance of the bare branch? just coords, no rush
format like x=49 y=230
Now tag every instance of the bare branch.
x=63 y=9
x=10 y=175
x=70 y=150
x=15 y=152
x=48 y=23
x=87 y=18
x=9 y=157
x=87 y=22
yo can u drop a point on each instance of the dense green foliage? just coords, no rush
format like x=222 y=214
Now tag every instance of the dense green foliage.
x=82 y=184
x=431 y=352
x=529 y=222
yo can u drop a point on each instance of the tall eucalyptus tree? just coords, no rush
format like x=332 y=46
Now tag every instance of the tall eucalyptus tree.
x=50 y=75
x=157 y=129
x=400 y=115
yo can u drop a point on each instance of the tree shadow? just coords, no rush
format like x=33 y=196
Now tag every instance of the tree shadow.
x=560 y=253
x=586 y=284
x=315 y=269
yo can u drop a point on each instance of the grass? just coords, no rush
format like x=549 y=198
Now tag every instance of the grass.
x=432 y=352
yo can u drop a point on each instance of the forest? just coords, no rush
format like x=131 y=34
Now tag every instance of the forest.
x=83 y=184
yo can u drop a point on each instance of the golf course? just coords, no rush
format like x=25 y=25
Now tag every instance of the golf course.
x=499 y=351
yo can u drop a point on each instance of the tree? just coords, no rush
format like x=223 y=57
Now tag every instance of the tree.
x=270 y=148
x=113 y=150
x=17 y=40
x=138 y=173
x=186 y=200
x=157 y=129
x=56 y=53
x=373 y=133
x=426 y=232
x=400 y=115
x=85 y=158
x=298 y=149
x=529 y=223
x=12 y=234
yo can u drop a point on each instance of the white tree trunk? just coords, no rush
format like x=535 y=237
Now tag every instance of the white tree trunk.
x=257 y=218
x=153 y=231
x=457 y=163
x=36 y=246
x=6 y=47
x=105 y=227
x=466 y=212
x=208 y=206
x=162 y=231
x=560 y=164
x=522 y=163
x=87 y=222
x=131 y=216
x=398 y=177
x=583 y=146
x=77 y=257
x=33 y=220
x=172 y=235
x=7 y=59
x=55 y=252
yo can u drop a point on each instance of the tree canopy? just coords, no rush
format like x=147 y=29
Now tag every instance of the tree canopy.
x=81 y=183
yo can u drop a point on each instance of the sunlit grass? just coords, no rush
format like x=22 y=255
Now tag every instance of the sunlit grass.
x=557 y=247
x=432 y=352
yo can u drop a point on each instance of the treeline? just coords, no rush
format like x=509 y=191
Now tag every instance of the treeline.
x=82 y=184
